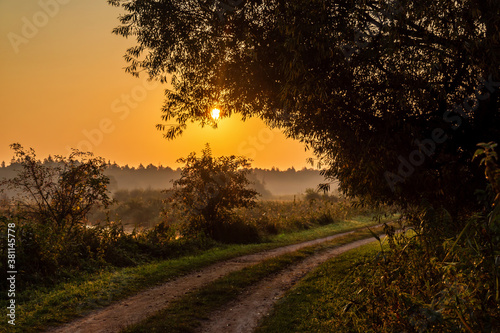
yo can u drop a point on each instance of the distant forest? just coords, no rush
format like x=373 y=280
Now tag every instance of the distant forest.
x=268 y=182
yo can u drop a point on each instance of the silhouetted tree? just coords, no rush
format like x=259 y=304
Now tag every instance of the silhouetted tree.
x=210 y=187
x=392 y=96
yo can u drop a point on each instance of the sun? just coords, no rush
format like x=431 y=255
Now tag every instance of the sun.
x=215 y=114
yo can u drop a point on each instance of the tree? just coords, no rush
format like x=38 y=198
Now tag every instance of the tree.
x=59 y=194
x=392 y=96
x=210 y=187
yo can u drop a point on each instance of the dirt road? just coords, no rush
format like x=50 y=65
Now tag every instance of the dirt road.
x=136 y=308
x=244 y=314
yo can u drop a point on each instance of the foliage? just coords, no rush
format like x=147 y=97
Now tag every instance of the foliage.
x=313 y=194
x=209 y=189
x=39 y=307
x=340 y=76
x=50 y=214
x=437 y=279
x=401 y=289
x=47 y=255
x=491 y=195
x=59 y=194
x=420 y=291
x=431 y=278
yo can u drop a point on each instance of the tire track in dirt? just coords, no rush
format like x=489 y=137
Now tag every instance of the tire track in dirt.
x=244 y=314
x=132 y=310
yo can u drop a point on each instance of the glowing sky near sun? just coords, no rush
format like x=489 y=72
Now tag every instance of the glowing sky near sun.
x=63 y=85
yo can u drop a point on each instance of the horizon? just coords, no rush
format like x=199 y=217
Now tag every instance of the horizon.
x=65 y=87
x=161 y=166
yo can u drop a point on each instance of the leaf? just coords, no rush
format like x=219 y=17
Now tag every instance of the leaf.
x=374 y=234
x=478 y=152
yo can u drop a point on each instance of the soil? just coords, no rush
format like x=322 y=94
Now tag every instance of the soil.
x=240 y=316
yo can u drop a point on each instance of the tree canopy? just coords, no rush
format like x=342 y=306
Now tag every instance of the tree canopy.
x=392 y=96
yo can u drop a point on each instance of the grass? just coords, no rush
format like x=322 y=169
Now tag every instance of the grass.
x=37 y=309
x=317 y=300
x=187 y=313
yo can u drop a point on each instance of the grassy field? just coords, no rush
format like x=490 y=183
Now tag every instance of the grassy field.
x=42 y=307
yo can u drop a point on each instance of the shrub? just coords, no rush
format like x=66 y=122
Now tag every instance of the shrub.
x=61 y=193
x=235 y=230
x=209 y=189
x=50 y=211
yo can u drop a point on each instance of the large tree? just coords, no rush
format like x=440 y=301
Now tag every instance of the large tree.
x=392 y=96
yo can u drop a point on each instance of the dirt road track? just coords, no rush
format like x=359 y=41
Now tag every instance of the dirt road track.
x=244 y=314
x=136 y=308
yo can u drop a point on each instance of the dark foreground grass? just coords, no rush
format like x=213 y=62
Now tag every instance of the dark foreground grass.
x=43 y=307
x=315 y=303
x=187 y=313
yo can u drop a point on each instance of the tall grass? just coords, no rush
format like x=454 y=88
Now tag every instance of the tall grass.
x=274 y=217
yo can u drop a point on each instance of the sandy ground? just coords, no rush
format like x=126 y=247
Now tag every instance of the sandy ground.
x=244 y=314
x=136 y=308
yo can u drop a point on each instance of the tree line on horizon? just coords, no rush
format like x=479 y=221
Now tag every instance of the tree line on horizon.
x=269 y=182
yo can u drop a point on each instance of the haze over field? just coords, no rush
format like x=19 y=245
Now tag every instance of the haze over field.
x=267 y=182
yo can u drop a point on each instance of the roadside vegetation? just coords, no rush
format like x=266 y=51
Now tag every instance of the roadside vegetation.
x=443 y=275
x=440 y=276
x=320 y=299
x=68 y=267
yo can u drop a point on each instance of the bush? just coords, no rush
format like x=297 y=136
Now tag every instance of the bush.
x=50 y=212
x=209 y=189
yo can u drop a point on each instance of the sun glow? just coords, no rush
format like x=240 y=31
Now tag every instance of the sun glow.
x=215 y=114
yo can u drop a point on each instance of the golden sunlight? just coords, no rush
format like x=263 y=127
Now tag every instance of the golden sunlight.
x=215 y=114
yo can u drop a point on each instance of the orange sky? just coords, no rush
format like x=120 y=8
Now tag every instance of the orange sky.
x=63 y=85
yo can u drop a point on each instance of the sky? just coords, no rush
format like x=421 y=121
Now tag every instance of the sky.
x=63 y=86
